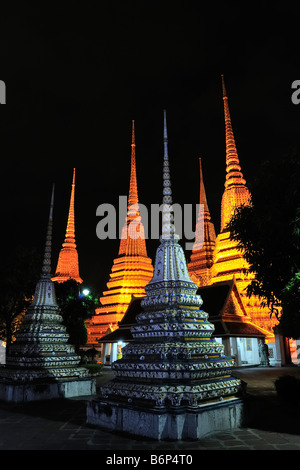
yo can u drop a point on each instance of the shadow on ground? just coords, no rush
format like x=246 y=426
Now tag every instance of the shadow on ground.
x=263 y=408
x=62 y=410
x=268 y=413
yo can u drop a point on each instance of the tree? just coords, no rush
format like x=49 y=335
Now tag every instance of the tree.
x=268 y=232
x=75 y=309
x=290 y=319
x=19 y=273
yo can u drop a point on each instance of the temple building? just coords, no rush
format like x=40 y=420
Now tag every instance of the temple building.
x=242 y=339
x=173 y=380
x=220 y=260
x=131 y=271
x=41 y=363
x=68 y=265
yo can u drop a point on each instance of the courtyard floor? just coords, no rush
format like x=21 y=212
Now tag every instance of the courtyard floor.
x=61 y=424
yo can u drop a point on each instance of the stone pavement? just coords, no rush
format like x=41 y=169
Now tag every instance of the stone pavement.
x=60 y=425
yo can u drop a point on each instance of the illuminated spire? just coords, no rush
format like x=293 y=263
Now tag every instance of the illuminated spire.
x=236 y=193
x=131 y=270
x=203 y=199
x=70 y=232
x=133 y=237
x=68 y=266
x=228 y=259
x=172 y=366
x=41 y=352
x=205 y=239
x=209 y=229
x=133 y=199
x=234 y=175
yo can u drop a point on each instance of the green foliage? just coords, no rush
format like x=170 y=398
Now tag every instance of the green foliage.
x=93 y=368
x=289 y=325
x=269 y=231
x=75 y=309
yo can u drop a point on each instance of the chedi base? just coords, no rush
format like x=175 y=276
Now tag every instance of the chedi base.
x=35 y=391
x=179 y=424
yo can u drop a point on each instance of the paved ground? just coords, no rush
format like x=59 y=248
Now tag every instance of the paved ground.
x=60 y=424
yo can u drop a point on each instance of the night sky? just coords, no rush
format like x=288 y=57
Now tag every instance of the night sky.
x=77 y=75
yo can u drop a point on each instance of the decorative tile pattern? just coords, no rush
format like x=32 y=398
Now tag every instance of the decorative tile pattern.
x=173 y=362
x=41 y=349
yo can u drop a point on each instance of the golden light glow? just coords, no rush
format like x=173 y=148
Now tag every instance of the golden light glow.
x=226 y=260
x=202 y=257
x=131 y=270
x=68 y=265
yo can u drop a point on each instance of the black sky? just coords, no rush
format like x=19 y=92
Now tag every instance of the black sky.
x=77 y=75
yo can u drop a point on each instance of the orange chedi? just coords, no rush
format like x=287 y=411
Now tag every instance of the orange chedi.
x=67 y=265
x=236 y=192
x=228 y=260
x=131 y=270
x=203 y=249
x=219 y=259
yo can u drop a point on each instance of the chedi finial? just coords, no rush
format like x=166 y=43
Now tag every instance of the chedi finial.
x=168 y=228
x=46 y=268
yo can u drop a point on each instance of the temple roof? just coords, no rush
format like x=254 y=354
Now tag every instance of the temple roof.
x=224 y=305
x=239 y=329
x=123 y=332
x=216 y=296
x=215 y=300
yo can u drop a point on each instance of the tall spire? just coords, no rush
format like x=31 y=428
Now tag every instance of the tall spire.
x=44 y=291
x=168 y=228
x=203 y=199
x=131 y=270
x=133 y=199
x=228 y=259
x=205 y=239
x=170 y=262
x=70 y=232
x=234 y=175
x=236 y=193
x=41 y=359
x=171 y=367
x=133 y=230
x=46 y=268
x=68 y=266
x=205 y=214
